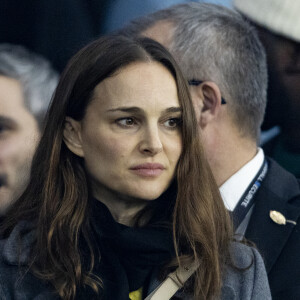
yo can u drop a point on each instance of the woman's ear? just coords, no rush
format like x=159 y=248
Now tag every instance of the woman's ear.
x=72 y=136
x=212 y=101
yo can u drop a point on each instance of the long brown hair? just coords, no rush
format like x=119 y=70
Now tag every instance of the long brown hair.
x=56 y=199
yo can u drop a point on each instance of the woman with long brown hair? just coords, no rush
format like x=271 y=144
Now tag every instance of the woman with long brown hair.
x=120 y=192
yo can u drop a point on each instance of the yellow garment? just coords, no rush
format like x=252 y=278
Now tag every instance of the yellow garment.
x=136 y=295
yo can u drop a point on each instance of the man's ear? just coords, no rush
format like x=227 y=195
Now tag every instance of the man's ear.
x=212 y=99
x=72 y=136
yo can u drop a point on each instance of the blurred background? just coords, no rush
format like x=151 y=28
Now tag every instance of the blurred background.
x=57 y=29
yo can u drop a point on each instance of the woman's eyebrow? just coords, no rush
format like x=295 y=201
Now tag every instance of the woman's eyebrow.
x=132 y=109
x=173 y=109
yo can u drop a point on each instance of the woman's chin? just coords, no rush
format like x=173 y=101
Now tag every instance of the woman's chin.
x=147 y=195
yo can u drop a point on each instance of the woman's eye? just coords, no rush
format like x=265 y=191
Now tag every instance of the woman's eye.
x=3 y=129
x=126 y=122
x=173 y=123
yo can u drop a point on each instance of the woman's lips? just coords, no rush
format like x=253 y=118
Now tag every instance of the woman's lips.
x=148 y=169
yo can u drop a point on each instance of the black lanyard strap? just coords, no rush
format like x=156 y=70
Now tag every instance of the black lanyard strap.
x=247 y=200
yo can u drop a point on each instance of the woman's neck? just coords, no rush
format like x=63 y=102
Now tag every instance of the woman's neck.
x=123 y=208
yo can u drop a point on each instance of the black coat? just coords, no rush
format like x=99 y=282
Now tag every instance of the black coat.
x=278 y=244
x=16 y=283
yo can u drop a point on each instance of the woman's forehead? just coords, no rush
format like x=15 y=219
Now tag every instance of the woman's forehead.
x=138 y=84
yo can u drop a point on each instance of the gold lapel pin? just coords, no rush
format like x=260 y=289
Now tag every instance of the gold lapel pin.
x=279 y=218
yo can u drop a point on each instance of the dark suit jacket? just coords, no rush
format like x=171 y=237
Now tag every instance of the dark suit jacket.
x=278 y=244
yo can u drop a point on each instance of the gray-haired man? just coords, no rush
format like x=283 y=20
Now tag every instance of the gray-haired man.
x=224 y=61
x=26 y=85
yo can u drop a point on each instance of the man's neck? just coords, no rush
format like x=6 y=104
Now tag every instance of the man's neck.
x=231 y=156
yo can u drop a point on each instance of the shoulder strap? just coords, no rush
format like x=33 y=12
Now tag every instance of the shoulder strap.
x=173 y=282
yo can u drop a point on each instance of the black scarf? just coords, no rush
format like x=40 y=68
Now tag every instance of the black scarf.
x=129 y=254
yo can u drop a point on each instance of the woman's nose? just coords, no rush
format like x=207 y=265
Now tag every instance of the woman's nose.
x=151 y=143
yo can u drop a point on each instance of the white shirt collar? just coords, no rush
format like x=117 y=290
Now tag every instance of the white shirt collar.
x=234 y=187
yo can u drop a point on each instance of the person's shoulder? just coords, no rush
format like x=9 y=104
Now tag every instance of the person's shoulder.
x=281 y=182
x=245 y=276
x=244 y=256
x=15 y=248
x=15 y=251
x=276 y=167
x=16 y=280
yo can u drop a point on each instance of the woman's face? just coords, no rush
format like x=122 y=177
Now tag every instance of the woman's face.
x=130 y=136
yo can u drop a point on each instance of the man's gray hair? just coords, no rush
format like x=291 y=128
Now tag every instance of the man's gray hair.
x=212 y=42
x=37 y=78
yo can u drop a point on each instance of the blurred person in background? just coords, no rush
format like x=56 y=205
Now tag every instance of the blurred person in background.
x=278 y=25
x=27 y=82
x=225 y=64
